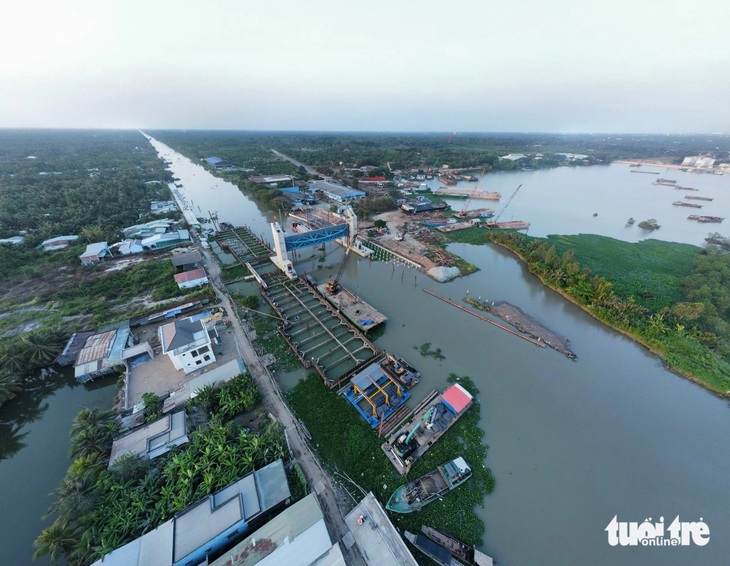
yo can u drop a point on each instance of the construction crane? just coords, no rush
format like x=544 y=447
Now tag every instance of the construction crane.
x=462 y=213
x=333 y=285
x=509 y=200
x=404 y=446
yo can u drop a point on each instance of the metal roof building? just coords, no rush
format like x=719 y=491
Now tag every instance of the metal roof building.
x=94 y=252
x=102 y=352
x=208 y=525
x=194 y=278
x=299 y=536
x=153 y=439
x=339 y=193
x=57 y=243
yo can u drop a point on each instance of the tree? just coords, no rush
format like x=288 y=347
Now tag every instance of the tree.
x=9 y=387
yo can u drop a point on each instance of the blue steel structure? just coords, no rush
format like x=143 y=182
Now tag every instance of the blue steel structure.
x=316 y=237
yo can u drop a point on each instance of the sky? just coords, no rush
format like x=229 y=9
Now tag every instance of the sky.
x=649 y=66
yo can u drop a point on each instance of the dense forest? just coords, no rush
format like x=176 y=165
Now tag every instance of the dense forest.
x=325 y=151
x=86 y=183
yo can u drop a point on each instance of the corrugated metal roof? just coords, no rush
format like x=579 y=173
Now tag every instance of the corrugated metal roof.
x=186 y=258
x=97 y=347
x=186 y=276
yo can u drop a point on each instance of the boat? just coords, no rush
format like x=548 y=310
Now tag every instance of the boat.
x=464 y=553
x=419 y=493
x=694 y=197
x=689 y=204
x=705 y=218
x=669 y=181
x=436 y=414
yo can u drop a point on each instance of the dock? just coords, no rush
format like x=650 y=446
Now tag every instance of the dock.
x=436 y=414
x=357 y=311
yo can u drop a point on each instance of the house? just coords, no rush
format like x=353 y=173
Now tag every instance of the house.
x=127 y=247
x=160 y=241
x=513 y=157
x=187 y=260
x=190 y=279
x=188 y=343
x=299 y=536
x=162 y=206
x=14 y=241
x=148 y=229
x=106 y=350
x=337 y=192
x=153 y=439
x=210 y=524
x=58 y=243
x=95 y=253
x=269 y=179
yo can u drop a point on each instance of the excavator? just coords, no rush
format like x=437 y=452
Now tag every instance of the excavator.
x=404 y=445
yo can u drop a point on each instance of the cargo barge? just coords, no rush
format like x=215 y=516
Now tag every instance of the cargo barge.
x=695 y=197
x=668 y=182
x=447 y=550
x=705 y=218
x=457 y=192
x=512 y=225
x=429 y=422
x=429 y=487
x=685 y=188
x=688 y=204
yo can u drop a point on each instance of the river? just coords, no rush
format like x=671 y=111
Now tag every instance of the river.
x=34 y=447
x=572 y=443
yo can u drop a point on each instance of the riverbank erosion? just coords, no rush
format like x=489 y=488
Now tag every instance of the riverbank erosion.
x=686 y=350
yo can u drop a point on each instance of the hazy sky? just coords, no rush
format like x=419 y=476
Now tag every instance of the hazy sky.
x=396 y=65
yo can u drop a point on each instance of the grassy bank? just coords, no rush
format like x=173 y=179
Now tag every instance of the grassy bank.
x=659 y=298
x=347 y=445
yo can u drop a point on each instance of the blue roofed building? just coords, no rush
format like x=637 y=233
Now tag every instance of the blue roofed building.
x=337 y=192
x=210 y=525
x=219 y=163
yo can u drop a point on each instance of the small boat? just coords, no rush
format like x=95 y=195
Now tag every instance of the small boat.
x=419 y=493
x=687 y=204
x=705 y=218
x=464 y=553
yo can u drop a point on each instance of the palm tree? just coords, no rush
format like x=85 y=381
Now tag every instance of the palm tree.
x=90 y=419
x=56 y=540
x=9 y=387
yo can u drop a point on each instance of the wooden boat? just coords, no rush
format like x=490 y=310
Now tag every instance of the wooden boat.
x=419 y=493
x=463 y=552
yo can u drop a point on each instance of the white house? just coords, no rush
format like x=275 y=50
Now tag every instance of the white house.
x=58 y=243
x=94 y=253
x=188 y=343
x=189 y=279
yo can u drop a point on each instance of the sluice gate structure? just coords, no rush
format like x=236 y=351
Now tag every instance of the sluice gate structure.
x=244 y=245
x=317 y=333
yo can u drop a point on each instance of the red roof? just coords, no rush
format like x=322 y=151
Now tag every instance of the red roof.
x=186 y=276
x=374 y=178
x=457 y=397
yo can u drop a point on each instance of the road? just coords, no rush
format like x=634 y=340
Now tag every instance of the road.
x=307 y=168
x=318 y=479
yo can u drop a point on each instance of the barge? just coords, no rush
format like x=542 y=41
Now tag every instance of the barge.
x=429 y=487
x=457 y=192
x=447 y=550
x=374 y=394
x=705 y=218
x=687 y=204
x=695 y=197
x=429 y=422
x=512 y=225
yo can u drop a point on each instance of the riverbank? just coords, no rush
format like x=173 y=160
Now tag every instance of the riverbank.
x=719 y=386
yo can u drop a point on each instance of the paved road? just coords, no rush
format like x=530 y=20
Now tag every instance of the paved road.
x=318 y=479
x=307 y=168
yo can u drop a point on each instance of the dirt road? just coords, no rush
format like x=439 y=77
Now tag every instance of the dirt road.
x=329 y=497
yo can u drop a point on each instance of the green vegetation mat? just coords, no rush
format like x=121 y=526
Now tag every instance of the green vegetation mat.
x=347 y=445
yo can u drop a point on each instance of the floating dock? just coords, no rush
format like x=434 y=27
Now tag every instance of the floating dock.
x=357 y=311
x=432 y=418
x=374 y=394
x=320 y=336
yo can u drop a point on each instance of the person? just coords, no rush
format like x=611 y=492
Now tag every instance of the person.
x=360 y=519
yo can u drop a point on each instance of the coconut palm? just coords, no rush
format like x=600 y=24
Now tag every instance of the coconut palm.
x=56 y=540
x=9 y=387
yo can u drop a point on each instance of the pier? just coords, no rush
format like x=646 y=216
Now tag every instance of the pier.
x=243 y=245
